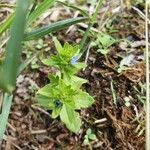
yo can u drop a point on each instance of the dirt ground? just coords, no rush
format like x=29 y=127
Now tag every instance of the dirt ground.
x=116 y=125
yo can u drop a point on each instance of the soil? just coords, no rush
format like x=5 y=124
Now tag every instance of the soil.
x=116 y=126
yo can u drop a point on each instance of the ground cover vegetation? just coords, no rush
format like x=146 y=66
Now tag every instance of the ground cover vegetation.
x=72 y=74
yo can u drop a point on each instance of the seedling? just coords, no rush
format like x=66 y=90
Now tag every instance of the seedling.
x=66 y=59
x=88 y=137
x=127 y=101
x=63 y=95
x=103 y=42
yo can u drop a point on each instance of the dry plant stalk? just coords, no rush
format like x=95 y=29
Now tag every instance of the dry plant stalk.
x=147 y=79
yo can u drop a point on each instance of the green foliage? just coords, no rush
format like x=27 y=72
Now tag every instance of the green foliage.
x=83 y=12
x=5 y=113
x=140 y=90
x=63 y=95
x=92 y=20
x=121 y=68
x=63 y=100
x=10 y=65
x=6 y=24
x=92 y=2
x=89 y=136
x=66 y=59
x=65 y=81
x=127 y=101
x=138 y=2
x=42 y=7
x=41 y=32
x=103 y=42
x=81 y=2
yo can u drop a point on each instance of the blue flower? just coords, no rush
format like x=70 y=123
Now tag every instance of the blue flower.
x=73 y=60
x=57 y=103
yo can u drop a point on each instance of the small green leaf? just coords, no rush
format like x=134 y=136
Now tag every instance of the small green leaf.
x=83 y=100
x=56 y=112
x=92 y=137
x=78 y=79
x=80 y=65
x=103 y=51
x=52 y=61
x=70 y=118
x=86 y=136
x=86 y=141
x=89 y=131
x=45 y=102
x=54 y=80
x=106 y=40
x=47 y=90
x=69 y=50
x=58 y=46
x=67 y=114
x=74 y=81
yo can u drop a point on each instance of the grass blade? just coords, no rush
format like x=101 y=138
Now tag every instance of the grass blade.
x=38 y=33
x=25 y=63
x=113 y=92
x=93 y=19
x=42 y=7
x=7 y=100
x=4 y=26
x=2 y=5
x=9 y=68
x=83 y=12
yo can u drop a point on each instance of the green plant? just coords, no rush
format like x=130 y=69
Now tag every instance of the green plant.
x=138 y=2
x=140 y=90
x=127 y=101
x=63 y=95
x=88 y=137
x=103 y=42
x=66 y=59
x=11 y=65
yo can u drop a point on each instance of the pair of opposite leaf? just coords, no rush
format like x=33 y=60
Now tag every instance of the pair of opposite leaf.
x=63 y=95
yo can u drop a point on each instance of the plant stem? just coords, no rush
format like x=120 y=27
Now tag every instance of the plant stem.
x=100 y=3
x=9 y=68
x=7 y=100
x=85 y=37
x=90 y=147
x=92 y=20
x=33 y=7
x=147 y=80
x=113 y=92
